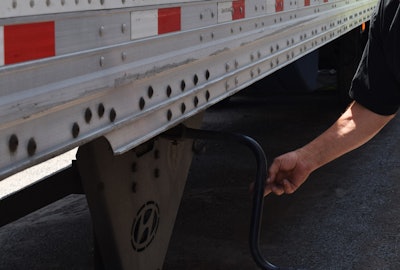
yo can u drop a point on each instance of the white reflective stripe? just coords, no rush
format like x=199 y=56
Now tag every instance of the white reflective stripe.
x=144 y=23
x=225 y=11
x=1 y=45
x=270 y=6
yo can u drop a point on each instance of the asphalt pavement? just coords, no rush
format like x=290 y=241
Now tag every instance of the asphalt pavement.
x=346 y=216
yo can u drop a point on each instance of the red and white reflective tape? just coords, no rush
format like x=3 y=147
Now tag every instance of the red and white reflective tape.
x=229 y=11
x=33 y=41
x=25 y=42
x=155 y=22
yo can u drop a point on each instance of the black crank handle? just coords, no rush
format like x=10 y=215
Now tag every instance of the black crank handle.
x=258 y=199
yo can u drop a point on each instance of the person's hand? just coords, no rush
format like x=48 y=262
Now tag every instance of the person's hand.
x=287 y=173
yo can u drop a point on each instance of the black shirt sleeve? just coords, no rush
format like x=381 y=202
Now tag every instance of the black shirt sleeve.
x=376 y=84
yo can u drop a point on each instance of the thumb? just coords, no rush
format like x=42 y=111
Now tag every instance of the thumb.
x=267 y=188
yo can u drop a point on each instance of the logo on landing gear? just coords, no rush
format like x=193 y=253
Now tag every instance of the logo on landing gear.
x=145 y=226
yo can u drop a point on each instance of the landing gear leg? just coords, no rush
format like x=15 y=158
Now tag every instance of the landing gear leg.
x=134 y=199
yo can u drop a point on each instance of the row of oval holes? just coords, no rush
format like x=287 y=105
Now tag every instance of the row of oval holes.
x=150 y=90
x=13 y=142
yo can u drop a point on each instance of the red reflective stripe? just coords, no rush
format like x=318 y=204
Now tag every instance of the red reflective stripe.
x=306 y=3
x=279 y=5
x=238 y=10
x=24 y=42
x=169 y=20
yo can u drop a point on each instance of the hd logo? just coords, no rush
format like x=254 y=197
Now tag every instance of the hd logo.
x=145 y=226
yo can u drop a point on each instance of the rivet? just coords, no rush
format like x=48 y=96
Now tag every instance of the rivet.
x=207 y=74
x=13 y=143
x=207 y=95
x=76 y=2
x=75 y=130
x=195 y=79
x=142 y=103
x=32 y=3
x=169 y=91
x=169 y=115
x=101 y=30
x=102 y=2
x=123 y=56
x=183 y=85
x=62 y=2
x=196 y=101
x=100 y=110
x=201 y=16
x=183 y=107
x=14 y=4
x=32 y=146
x=150 y=92
x=123 y=28
x=48 y=2
x=201 y=37
x=88 y=115
x=113 y=115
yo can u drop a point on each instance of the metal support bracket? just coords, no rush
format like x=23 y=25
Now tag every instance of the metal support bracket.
x=134 y=198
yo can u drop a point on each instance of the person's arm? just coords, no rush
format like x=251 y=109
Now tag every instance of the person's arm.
x=355 y=127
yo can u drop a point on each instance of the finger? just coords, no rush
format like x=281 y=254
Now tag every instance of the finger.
x=273 y=171
x=267 y=190
x=278 y=190
x=288 y=186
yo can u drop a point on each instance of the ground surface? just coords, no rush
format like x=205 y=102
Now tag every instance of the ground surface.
x=347 y=216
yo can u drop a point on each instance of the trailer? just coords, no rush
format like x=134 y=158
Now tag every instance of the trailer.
x=115 y=79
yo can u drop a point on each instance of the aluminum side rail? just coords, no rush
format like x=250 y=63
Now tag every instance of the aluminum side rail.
x=106 y=78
